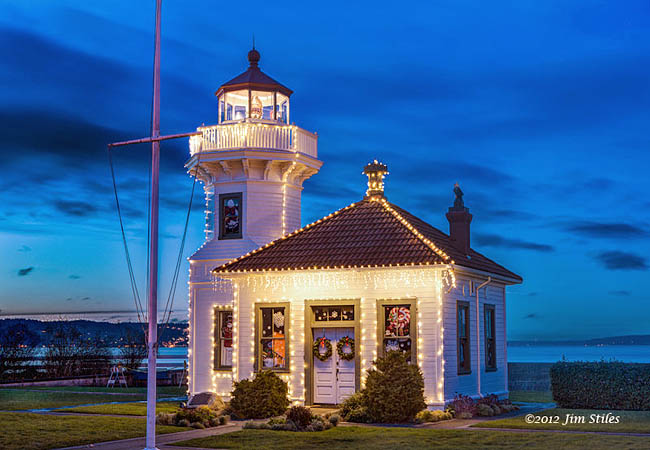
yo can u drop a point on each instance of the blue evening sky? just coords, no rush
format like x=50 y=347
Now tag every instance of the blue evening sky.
x=538 y=108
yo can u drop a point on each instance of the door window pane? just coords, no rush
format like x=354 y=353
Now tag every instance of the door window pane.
x=335 y=313
x=347 y=313
x=320 y=314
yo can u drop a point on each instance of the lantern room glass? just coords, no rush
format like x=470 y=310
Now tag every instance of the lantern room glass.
x=262 y=105
x=234 y=106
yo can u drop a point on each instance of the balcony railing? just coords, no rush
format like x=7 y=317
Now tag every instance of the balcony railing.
x=259 y=136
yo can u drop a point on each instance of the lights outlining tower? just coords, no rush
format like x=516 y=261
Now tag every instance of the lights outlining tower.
x=252 y=164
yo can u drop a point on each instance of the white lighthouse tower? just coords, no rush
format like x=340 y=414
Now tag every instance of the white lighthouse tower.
x=252 y=164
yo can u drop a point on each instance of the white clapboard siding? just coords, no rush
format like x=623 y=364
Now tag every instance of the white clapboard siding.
x=491 y=382
x=204 y=299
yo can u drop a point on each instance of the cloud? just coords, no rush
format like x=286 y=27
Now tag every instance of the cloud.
x=493 y=240
x=25 y=271
x=501 y=215
x=74 y=277
x=618 y=260
x=74 y=119
x=75 y=208
x=68 y=137
x=621 y=293
x=531 y=316
x=613 y=230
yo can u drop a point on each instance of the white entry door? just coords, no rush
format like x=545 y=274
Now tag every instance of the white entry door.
x=334 y=379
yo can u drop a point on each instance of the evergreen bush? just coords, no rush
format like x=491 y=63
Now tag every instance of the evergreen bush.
x=394 y=390
x=353 y=402
x=265 y=396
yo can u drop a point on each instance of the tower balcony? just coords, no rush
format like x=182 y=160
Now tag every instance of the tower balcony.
x=257 y=135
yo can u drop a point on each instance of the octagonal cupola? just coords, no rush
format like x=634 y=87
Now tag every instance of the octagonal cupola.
x=253 y=96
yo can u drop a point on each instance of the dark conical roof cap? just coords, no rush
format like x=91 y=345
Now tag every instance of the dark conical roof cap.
x=254 y=78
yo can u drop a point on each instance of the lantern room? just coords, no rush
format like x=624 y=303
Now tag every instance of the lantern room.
x=253 y=96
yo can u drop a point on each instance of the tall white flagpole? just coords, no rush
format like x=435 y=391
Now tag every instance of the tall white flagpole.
x=153 y=240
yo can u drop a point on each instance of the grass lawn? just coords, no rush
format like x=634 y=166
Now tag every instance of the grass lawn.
x=167 y=391
x=12 y=400
x=630 y=421
x=383 y=438
x=531 y=396
x=129 y=409
x=23 y=431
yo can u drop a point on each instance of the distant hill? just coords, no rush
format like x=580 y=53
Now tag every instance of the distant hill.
x=636 y=339
x=108 y=334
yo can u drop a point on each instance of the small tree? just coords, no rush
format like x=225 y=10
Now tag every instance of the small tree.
x=60 y=353
x=394 y=390
x=17 y=349
x=133 y=350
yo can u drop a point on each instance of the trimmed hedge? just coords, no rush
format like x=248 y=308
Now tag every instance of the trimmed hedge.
x=601 y=385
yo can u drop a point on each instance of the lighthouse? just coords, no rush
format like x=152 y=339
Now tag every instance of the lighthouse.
x=252 y=164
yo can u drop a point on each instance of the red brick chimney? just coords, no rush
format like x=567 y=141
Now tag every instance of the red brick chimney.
x=459 y=219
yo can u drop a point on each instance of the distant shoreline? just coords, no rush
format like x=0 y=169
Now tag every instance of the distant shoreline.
x=637 y=339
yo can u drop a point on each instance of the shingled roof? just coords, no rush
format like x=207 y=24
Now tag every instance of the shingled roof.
x=370 y=233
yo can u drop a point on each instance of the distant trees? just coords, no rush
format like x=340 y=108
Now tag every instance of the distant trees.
x=133 y=349
x=31 y=349
x=17 y=349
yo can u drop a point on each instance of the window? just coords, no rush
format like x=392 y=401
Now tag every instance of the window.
x=490 y=339
x=333 y=313
x=462 y=325
x=223 y=340
x=273 y=337
x=397 y=330
x=230 y=216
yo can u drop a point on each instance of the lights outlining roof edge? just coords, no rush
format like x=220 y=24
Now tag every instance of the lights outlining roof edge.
x=414 y=230
x=293 y=233
x=439 y=252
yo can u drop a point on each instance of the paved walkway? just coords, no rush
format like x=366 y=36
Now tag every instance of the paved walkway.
x=141 y=394
x=162 y=440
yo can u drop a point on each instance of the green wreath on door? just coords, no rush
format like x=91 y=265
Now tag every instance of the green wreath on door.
x=322 y=342
x=345 y=341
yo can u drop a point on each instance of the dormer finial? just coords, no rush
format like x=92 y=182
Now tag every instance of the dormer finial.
x=376 y=172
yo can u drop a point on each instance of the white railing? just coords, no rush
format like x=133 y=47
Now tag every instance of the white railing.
x=254 y=136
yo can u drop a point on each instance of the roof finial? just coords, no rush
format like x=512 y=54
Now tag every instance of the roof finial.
x=376 y=172
x=253 y=55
